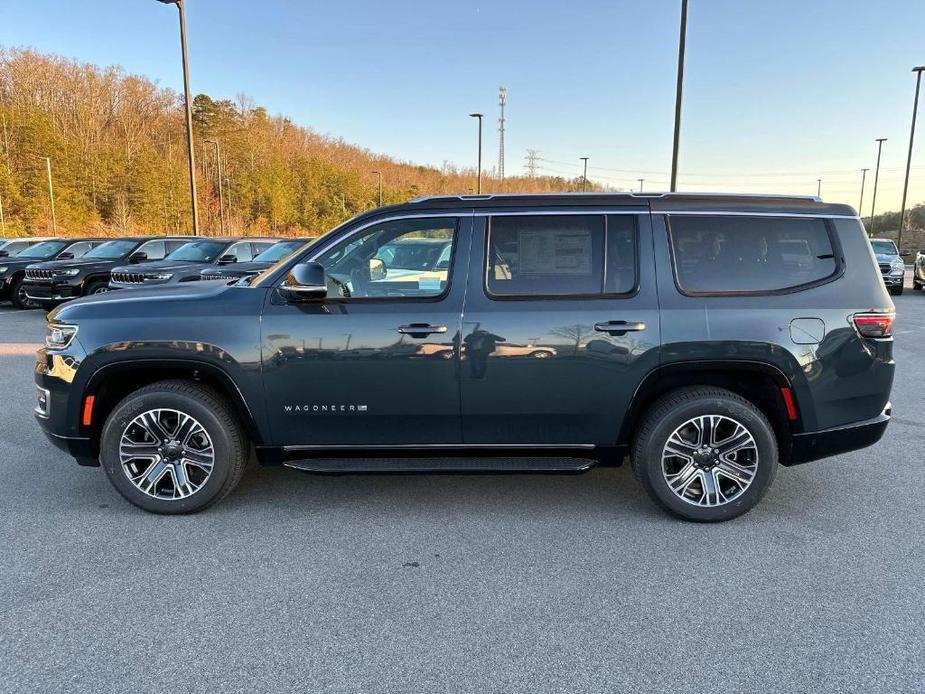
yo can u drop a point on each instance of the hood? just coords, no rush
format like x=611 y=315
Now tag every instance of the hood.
x=886 y=258
x=184 y=266
x=239 y=269
x=81 y=263
x=18 y=263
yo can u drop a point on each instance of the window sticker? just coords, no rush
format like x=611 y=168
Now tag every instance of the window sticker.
x=555 y=252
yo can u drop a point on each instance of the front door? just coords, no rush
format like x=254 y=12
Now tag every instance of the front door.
x=561 y=325
x=376 y=363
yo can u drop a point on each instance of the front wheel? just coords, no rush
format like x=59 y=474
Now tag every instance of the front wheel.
x=18 y=296
x=173 y=447
x=705 y=454
x=897 y=291
x=916 y=286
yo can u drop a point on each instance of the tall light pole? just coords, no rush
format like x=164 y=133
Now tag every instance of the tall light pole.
x=873 y=204
x=379 y=174
x=584 y=175
x=478 y=184
x=818 y=187
x=51 y=197
x=221 y=196
x=181 y=7
x=641 y=181
x=861 y=201
x=677 y=103
x=915 y=107
x=2 y=222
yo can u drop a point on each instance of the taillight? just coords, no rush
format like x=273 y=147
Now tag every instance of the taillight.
x=874 y=324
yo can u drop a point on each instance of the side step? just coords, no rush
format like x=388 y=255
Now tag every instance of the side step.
x=443 y=464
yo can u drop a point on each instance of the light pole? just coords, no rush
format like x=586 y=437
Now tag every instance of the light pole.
x=677 y=103
x=641 y=181
x=861 y=202
x=584 y=175
x=478 y=185
x=379 y=175
x=51 y=196
x=2 y=222
x=189 y=111
x=915 y=107
x=221 y=196
x=873 y=204
x=818 y=187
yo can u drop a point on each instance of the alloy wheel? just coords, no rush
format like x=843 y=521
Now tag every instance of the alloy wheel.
x=710 y=460
x=166 y=454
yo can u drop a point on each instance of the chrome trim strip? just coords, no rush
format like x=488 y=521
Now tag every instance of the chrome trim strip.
x=444 y=447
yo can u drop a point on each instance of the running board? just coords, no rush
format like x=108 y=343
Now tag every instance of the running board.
x=443 y=464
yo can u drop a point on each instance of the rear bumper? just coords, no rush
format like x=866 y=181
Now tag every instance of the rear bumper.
x=849 y=437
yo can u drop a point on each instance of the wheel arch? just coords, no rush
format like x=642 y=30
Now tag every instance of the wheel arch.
x=112 y=382
x=760 y=383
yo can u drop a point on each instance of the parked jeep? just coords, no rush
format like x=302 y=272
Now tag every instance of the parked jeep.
x=708 y=338
x=892 y=267
x=13 y=270
x=52 y=283
x=261 y=261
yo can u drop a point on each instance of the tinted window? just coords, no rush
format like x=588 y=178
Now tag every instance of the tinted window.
x=80 y=248
x=46 y=249
x=198 y=251
x=153 y=249
x=241 y=251
x=278 y=251
x=884 y=247
x=15 y=247
x=361 y=267
x=749 y=254
x=112 y=249
x=561 y=255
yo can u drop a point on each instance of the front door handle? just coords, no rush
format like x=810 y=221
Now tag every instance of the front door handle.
x=619 y=327
x=421 y=329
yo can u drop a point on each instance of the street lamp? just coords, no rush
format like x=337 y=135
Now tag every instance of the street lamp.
x=915 y=107
x=861 y=201
x=818 y=187
x=873 y=204
x=677 y=103
x=584 y=175
x=189 y=111
x=479 y=178
x=641 y=181
x=221 y=197
x=379 y=174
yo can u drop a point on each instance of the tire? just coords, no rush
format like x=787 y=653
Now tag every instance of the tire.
x=96 y=288
x=220 y=429
x=916 y=286
x=18 y=296
x=897 y=291
x=672 y=416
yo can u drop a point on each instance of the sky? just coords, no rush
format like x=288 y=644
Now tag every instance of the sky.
x=777 y=93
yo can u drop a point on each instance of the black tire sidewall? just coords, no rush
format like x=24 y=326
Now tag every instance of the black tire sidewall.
x=650 y=467
x=15 y=299
x=134 y=405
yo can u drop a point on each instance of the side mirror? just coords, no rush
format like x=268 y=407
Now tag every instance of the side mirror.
x=4 y=254
x=377 y=269
x=305 y=282
x=66 y=255
x=138 y=257
x=228 y=259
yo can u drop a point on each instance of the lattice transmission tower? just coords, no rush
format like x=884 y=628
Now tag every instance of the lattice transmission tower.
x=502 y=102
x=533 y=157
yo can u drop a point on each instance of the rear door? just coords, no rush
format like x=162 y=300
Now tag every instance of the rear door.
x=560 y=325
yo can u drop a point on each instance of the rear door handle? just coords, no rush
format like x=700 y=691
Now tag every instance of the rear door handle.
x=619 y=327
x=421 y=329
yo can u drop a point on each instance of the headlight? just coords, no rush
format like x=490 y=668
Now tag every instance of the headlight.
x=67 y=273
x=60 y=336
x=3 y=269
x=159 y=276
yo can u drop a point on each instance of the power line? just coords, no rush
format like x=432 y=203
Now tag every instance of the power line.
x=533 y=156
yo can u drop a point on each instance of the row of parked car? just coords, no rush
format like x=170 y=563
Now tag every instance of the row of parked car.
x=45 y=272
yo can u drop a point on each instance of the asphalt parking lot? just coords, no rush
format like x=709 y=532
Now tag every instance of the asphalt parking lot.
x=444 y=583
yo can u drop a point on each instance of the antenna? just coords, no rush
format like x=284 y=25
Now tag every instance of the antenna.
x=502 y=101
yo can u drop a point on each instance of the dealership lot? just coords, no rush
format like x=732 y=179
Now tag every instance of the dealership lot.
x=462 y=583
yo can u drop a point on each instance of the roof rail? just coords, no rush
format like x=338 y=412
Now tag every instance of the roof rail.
x=493 y=196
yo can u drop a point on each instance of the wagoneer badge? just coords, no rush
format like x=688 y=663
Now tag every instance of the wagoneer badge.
x=322 y=409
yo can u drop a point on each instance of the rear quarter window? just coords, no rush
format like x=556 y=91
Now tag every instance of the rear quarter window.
x=739 y=254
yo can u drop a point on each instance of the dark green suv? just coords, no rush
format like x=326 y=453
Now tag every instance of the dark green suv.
x=709 y=339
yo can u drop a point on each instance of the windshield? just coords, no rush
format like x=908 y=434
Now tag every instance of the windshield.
x=46 y=249
x=112 y=249
x=411 y=255
x=278 y=251
x=884 y=247
x=198 y=251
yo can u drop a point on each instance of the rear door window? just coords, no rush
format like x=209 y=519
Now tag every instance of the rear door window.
x=740 y=254
x=561 y=255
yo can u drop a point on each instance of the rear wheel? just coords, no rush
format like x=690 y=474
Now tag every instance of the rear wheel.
x=173 y=447
x=916 y=286
x=705 y=454
x=97 y=288
x=18 y=296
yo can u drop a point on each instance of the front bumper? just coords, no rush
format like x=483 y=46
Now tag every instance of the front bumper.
x=51 y=291
x=894 y=280
x=849 y=437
